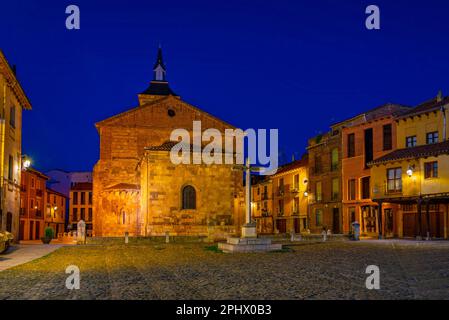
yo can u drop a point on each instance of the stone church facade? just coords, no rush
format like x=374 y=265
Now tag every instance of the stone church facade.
x=136 y=187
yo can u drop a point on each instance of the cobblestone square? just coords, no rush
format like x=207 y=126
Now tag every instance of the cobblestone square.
x=152 y=270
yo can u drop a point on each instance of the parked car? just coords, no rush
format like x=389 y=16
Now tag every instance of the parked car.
x=6 y=239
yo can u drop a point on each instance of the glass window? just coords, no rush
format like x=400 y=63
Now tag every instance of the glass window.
x=334 y=159
x=365 y=188
x=318 y=164
x=410 y=142
x=188 y=198
x=432 y=137
x=351 y=189
x=387 y=137
x=296 y=181
x=75 y=197
x=335 y=188
x=431 y=170
x=319 y=191
x=11 y=168
x=75 y=214
x=12 y=116
x=319 y=217
x=394 y=180
x=351 y=145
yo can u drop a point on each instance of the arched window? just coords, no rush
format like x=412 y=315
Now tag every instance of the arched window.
x=188 y=197
x=123 y=217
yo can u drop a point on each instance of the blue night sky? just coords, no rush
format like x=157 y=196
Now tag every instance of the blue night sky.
x=298 y=66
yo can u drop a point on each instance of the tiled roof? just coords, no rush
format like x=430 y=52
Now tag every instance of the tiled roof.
x=82 y=186
x=159 y=88
x=168 y=145
x=428 y=106
x=427 y=150
x=124 y=186
x=49 y=190
x=386 y=110
x=293 y=165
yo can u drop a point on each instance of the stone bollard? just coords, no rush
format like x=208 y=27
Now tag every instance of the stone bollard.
x=324 y=233
x=126 y=237
x=167 y=237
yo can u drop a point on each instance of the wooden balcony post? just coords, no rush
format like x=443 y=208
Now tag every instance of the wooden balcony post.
x=428 y=219
x=419 y=235
x=379 y=218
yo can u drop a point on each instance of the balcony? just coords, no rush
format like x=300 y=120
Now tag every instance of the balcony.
x=38 y=213
x=265 y=196
x=39 y=193
x=22 y=211
x=280 y=192
x=294 y=190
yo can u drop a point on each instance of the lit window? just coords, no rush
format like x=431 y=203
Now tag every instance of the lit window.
x=394 y=180
x=319 y=217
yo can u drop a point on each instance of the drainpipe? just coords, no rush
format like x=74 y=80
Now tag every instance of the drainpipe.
x=443 y=110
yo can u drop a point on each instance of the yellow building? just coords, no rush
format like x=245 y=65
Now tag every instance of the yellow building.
x=290 y=197
x=55 y=209
x=12 y=101
x=416 y=176
x=262 y=205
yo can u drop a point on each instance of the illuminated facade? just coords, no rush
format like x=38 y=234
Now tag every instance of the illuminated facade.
x=415 y=178
x=366 y=137
x=133 y=156
x=12 y=101
x=290 y=198
x=55 y=209
x=32 y=204
x=262 y=205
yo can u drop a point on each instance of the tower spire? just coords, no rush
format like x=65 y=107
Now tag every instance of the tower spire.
x=159 y=69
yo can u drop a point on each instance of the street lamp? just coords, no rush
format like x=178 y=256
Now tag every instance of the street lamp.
x=410 y=170
x=26 y=162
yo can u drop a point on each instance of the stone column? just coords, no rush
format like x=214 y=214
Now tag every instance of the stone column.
x=249 y=228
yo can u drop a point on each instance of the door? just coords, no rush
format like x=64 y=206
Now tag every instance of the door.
x=22 y=230
x=31 y=236
x=281 y=225
x=37 y=234
x=297 y=223
x=336 y=220
x=409 y=225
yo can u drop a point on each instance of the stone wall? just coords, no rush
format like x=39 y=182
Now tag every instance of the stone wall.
x=216 y=186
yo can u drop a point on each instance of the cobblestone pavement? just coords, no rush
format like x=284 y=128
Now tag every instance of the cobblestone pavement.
x=189 y=271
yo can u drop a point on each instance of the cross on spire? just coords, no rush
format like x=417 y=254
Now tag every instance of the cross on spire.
x=159 y=67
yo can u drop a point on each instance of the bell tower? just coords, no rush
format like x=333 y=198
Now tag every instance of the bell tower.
x=159 y=85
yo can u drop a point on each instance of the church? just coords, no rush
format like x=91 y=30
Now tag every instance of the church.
x=136 y=187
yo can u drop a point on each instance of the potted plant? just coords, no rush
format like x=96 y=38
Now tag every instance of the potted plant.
x=49 y=234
